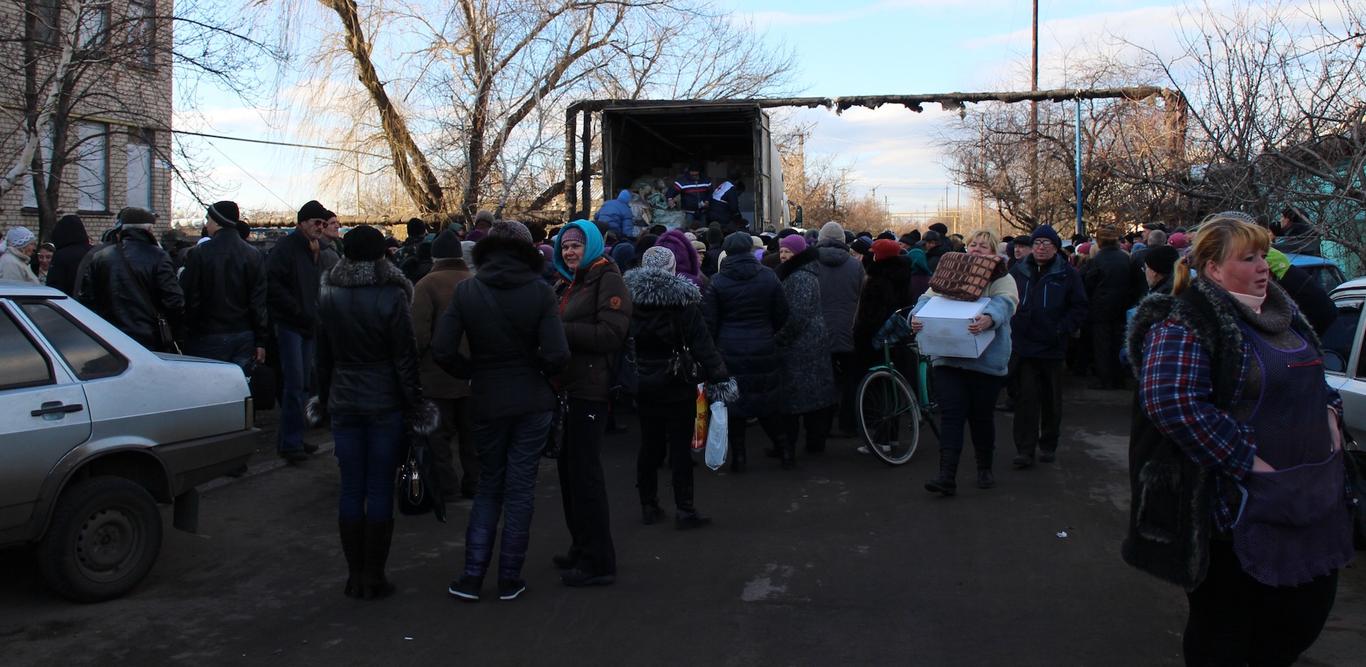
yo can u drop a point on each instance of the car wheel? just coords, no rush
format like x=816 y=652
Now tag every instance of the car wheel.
x=104 y=537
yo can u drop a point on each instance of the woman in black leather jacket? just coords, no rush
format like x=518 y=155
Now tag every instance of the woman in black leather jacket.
x=367 y=358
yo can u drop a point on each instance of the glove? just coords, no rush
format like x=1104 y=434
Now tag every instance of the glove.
x=725 y=391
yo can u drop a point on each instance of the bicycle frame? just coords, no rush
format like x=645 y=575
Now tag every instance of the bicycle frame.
x=921 y=386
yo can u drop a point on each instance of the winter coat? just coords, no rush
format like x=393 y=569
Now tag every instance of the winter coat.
x=841 y=278
x=292 y=281
x=920 y=273
x=224 y=281
x=1312 y=300
x=689 y=264
x=1109 y=282
x=745 y=308
x=72 y=243
x=1002 y=299
x=431 y=296
x=804 y=342
x=888 y=290
x=367 y=357
x=617 y=216
x=513 y=349
x=14 y=266
x=932 y=256
x=1052 y=306
x=723 y=203
x=132 y=302
x=596 y=310
x=666 y=314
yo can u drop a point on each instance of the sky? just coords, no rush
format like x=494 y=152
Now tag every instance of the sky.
x=849 y=48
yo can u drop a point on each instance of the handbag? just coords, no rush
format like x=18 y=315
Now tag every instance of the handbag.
x=682 y=366
x=164 y=335
x=964 y=277
x=417 y=486
x=554 y=437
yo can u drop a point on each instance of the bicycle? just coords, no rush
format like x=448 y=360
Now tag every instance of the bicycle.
x=890 y=411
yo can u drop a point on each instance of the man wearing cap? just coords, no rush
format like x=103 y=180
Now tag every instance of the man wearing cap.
x=431 y=296
x=293 y=273
x=14 y=256
x=1052 y=306
x=225 y=293
x=131 y=282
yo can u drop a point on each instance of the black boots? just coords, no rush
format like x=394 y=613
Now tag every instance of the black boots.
x=650 y=513
x=378 y=537
x=985 y=479
x=945 y=483
x=687 y=517
x=787 y=454
x=737 y=457
x=353 y=547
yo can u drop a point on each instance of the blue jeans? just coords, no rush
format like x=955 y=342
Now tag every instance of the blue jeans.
x=509 y=456
x=367 y=449
x=237 y=348
x=296 y=367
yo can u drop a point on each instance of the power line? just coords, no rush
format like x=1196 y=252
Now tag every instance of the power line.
x=278 y=143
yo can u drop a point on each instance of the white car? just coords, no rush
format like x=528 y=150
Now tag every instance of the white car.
x=95 y=430
x=1344 y=359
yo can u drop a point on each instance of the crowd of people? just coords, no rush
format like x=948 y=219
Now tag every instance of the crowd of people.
x=500 y=338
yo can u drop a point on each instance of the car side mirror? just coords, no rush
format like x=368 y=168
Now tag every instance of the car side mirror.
x=1333 y=362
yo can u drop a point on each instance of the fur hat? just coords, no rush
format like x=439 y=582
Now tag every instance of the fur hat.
x=447 y=246
x=659 y=257
x=136 y=217
x=794 y=243
x=363 y=244
x=940 y=227
x=510 y=229
x=314 y=211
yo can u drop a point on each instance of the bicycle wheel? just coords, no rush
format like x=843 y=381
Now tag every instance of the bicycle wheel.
x=889 y=416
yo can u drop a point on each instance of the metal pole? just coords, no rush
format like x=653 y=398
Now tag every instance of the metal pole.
x=1081 y=228
x=1034 y=118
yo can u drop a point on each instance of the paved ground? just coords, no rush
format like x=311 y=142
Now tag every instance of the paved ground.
x=843 y=561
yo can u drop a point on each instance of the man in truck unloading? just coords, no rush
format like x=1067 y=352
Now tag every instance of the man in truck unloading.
x=690 y=192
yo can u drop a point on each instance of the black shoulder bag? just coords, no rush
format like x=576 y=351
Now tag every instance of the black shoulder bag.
x=165 y=337
x=555 y=436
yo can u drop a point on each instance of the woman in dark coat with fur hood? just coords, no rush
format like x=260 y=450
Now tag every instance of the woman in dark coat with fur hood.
x=804 y=343
x=745 y=307
x=667 y=328
x=367 y=358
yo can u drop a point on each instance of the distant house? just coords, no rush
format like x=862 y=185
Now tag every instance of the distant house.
x=117 y=141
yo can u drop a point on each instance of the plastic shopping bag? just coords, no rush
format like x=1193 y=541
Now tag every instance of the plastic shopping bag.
x=699 y=424
x=716 y=436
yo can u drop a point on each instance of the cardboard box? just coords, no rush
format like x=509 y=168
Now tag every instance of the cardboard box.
x=946 y=328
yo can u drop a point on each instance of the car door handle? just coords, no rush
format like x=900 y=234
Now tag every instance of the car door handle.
x=56 y=408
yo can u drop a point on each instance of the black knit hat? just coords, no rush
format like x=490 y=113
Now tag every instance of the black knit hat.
x=225 y=213
x=363 y=244
x=446 y=246
x=314 y=211
x=1161 y=259
x=416 y=228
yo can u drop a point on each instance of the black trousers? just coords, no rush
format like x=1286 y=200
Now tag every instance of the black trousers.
x=847 y=376
x=735 y=434
x=455 y=424
x=1106 y=335
x=967 y=398
x=1235 y=620
x=666 y=429
x=817 y=428
x=583 y=488
x=1038 y=410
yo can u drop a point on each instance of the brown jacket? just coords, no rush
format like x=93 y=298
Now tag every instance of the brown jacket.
x=596 y=311
x=431 y=296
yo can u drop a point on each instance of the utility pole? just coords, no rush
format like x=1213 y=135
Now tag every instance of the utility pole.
x=1034 y=120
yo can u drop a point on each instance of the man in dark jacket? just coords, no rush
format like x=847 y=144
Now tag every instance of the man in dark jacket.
x=292 y=278
x=1110 y=291
x=935 y=247
x=131 y=283
x=841 y=279
x=508 y=317
x=72 y=243
x=225 y=293
x=1052 y=306
x=690 y=192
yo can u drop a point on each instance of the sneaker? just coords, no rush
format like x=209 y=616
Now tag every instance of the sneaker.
x=466 y=588
x=886 y=449
x=1047 y=457
x=577 y=578
x=509 y=589
x=1022 y=461
x=943 y=486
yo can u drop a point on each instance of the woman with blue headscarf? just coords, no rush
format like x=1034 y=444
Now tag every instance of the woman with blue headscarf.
x=595 y=307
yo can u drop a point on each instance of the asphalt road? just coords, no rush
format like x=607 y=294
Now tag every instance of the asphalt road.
x=842 y=561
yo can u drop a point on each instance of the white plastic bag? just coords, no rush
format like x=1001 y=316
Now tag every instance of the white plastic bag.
x=716 y=436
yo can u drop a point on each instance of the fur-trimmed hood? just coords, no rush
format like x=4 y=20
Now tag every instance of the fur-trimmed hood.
x=350 y=273
x=799 y=261
x=656 y=288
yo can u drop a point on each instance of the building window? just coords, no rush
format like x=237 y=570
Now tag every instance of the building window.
x=45 y=150
x=92 y=26
x=142 y=30
x=46 y=17
x=140 y=170
x=90 y=157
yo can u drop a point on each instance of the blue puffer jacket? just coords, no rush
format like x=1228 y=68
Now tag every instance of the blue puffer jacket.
x=1052 y=306
x=745 y=307
x=617 y=215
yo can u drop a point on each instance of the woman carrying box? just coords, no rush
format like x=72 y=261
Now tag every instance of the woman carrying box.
x=966 y=388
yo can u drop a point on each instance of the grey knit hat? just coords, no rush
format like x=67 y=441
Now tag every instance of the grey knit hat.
x=510 y=229
x=831 y=232
x=659 y=257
